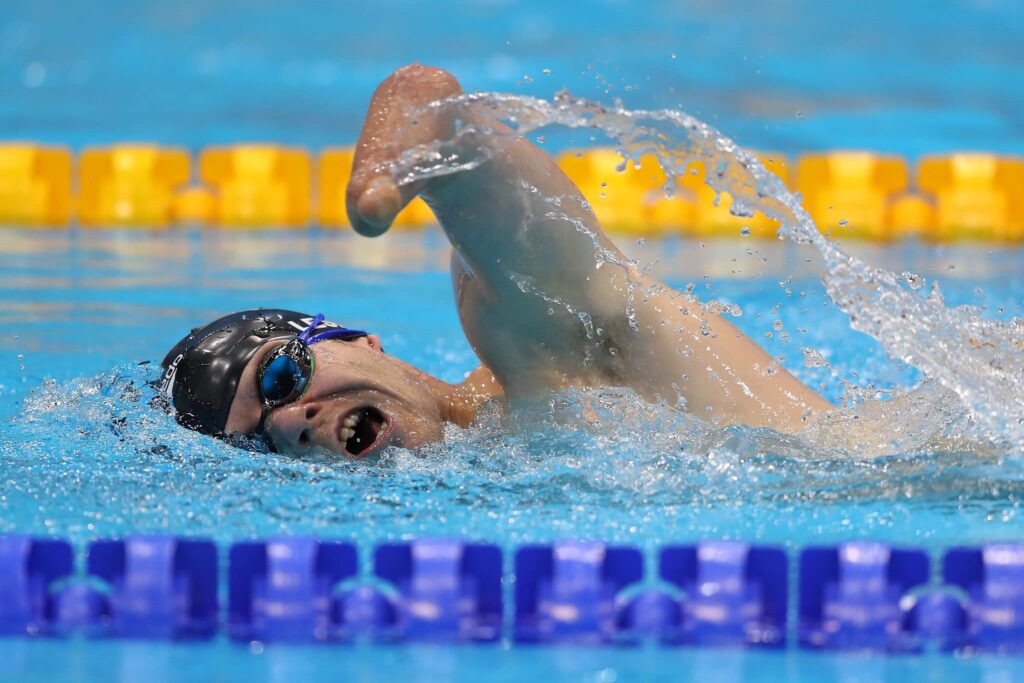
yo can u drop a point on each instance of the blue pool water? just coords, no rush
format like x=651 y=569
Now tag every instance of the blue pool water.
x=132 y=661
x=912 y=77
x=84 y=455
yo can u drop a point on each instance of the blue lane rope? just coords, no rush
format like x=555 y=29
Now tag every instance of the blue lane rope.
x=851 y=596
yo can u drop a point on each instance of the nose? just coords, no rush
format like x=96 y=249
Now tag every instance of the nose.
x=291 y=427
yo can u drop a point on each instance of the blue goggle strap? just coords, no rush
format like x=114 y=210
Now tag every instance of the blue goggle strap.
x=309 y=338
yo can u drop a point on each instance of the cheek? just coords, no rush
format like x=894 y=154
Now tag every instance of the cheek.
x=414 y=428
x=420 y=432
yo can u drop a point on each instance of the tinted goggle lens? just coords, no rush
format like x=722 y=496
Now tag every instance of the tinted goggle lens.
x=285 y=373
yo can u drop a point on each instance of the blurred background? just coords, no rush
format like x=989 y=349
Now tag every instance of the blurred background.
x=909 y=77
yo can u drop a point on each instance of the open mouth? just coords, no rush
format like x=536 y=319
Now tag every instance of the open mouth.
x=362 y=430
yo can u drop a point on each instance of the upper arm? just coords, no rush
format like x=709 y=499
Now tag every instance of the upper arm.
x=520 y=224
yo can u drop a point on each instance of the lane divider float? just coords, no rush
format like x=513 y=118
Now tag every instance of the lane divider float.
x=858 y=595
x=851 y=194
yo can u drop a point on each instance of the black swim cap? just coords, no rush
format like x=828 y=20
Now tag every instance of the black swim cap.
x=202 y=371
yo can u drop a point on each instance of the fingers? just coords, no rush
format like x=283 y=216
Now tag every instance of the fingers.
x=373 y=198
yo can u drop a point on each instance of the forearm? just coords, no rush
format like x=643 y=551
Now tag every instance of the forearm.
x=685 y=351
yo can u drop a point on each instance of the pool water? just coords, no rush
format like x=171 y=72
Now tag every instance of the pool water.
x=87 y=315
x=127 y=661
x=907 y=77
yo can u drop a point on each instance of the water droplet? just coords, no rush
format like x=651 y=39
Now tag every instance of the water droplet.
x=813 y=359
x=912 y=279
x=631 y=317
x=745 y=231
x=546 y=72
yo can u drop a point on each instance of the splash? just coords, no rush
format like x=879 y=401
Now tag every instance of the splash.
x=977 y=359
x=92 y=458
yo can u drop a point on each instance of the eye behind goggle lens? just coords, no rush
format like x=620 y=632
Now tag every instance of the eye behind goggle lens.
x=282 y=379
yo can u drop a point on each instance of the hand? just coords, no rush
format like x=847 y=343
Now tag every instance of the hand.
x=373 y=198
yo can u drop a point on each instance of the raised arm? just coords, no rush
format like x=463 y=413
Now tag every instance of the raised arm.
x=545 y=297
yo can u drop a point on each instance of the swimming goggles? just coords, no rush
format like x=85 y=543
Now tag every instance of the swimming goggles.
x=284 y=374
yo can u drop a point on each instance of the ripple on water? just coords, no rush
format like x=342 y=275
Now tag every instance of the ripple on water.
x=92 y=457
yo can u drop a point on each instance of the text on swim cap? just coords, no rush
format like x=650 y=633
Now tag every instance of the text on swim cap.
x=304 y=323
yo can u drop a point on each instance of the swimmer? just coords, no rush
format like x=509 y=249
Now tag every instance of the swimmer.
x=535 y=307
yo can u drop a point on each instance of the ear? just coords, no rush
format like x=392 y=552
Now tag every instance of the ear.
x=374 y=341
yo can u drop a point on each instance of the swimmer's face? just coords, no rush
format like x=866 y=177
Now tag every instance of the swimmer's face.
x=359 y=402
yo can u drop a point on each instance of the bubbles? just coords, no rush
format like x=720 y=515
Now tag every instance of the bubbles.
x=96 y=457
x=913 y=280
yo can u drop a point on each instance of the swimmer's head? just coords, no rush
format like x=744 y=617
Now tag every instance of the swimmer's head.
x=202 y=371
x=220 y=380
